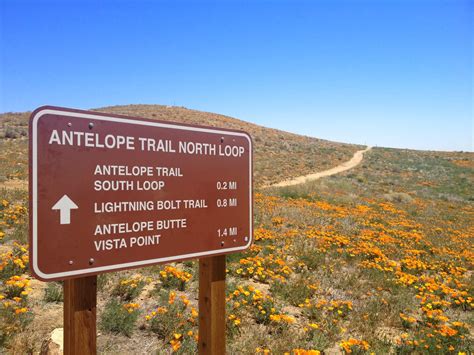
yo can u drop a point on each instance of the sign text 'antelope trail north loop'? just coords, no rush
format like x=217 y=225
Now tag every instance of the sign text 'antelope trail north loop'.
x=109 y=192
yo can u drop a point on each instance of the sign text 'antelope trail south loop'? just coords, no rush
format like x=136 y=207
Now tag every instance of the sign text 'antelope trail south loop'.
x=109 y=192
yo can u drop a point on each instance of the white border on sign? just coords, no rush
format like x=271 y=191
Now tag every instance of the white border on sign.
x=43 y=112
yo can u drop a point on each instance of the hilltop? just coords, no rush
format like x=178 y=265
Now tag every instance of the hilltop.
x=278 y=155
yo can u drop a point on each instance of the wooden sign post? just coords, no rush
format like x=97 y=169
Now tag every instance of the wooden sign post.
x=212 y=325
x=80 y=303
x=110 y=193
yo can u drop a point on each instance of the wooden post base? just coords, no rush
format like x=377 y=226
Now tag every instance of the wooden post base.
x=80 y=303
x=212 y=305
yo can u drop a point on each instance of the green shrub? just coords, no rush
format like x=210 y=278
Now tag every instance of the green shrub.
x=172 y=277
x=294 y=291
x=308 y=254
x=168 y=321
x=14 y=262
x=13 y=320
x=117 y=319
x=53 y=292
x=129 y=288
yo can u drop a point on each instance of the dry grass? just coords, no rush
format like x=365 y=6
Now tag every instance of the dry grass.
x=278 y=155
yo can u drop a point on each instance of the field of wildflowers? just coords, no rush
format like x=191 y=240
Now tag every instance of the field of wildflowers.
x=378 y=259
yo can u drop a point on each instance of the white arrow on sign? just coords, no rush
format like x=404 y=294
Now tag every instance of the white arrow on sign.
x=65 y=205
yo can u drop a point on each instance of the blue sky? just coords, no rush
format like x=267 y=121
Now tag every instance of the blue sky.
x=387 y=73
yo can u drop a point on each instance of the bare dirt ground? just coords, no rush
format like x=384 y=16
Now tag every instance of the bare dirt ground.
x=15 y=184
x=355 y=160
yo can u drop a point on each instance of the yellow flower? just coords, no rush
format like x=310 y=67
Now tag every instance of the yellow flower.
x=172 y=297
x=21 y=310
x=175 y=344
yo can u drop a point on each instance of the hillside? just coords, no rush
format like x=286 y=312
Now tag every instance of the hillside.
x=376 y=259
x=278 y=155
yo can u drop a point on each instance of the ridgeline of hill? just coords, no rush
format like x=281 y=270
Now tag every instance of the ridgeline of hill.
x=278 y=155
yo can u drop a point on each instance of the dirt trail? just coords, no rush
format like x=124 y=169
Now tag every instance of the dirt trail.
x=355 y=160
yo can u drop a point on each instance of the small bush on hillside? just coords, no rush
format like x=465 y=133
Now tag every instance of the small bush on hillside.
x=15 y=132
x=14 y=262
x=174 y=321
x=119 y=318
x=53 y=292
x=294 y=291
x=14 y=318
x=129 y=288
x=398 y=197
x=172 y=277
x=167 y=320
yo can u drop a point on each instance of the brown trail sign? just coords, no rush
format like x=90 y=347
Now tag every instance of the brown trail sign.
x=109 y=192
